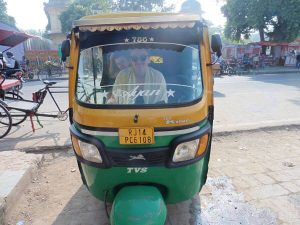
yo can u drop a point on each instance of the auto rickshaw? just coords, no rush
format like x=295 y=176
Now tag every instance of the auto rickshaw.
x=142 y=140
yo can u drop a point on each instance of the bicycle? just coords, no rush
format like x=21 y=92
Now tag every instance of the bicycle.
x=19 y=109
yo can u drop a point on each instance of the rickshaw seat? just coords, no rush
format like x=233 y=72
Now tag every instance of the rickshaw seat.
x=6 y=84
x=47 y=82
x=21 y=105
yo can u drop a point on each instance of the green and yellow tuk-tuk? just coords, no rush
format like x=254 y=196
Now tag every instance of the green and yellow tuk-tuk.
x=141 y=105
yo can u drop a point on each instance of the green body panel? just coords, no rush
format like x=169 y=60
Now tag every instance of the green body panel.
x=138 y=205
x=176 y=184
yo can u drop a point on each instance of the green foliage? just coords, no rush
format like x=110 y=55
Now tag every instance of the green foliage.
x=142 y=5
x=286 y=22
x=4 y=17
x=80 y=8
x=276 y=19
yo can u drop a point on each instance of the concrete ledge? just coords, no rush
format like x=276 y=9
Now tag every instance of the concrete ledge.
x=267 y=128
x=17 y=178
x=44 y=149
x=2 y=209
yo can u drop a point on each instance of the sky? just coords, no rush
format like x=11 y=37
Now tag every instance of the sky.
x=29 y=14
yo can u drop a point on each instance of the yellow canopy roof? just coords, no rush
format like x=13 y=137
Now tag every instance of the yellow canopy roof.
x=135 y=20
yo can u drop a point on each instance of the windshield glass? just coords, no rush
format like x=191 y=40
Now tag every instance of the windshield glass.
x=139 y=74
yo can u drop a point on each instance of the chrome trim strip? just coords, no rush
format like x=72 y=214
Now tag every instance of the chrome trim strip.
x=156 y=134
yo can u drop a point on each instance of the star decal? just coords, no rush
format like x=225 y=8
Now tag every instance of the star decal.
x=170 y=92
x=126 y=40
x=151 y=39
x=104 y=94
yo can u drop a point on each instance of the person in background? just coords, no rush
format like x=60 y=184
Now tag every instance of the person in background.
x=24 y=63
x=256 y=61
x=298 y=61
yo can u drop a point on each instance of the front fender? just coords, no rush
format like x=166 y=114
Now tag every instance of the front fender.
x=138 y=205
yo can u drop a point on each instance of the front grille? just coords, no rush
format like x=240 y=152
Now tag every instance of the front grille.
x=157 y=157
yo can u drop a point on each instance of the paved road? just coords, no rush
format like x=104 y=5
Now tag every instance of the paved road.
x=239 y=100
x=250 y=101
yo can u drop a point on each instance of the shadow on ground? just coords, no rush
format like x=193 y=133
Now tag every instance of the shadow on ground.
x=83 y=208
x=218 y=94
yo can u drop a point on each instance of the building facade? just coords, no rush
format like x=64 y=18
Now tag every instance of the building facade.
x=53 y=10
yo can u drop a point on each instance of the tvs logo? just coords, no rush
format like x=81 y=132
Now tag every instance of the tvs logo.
x=137 y=170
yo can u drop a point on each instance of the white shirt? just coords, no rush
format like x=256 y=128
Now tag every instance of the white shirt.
x=11 y=63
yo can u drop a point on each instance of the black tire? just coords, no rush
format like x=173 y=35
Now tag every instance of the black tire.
x=16 y=115
x=5 y=121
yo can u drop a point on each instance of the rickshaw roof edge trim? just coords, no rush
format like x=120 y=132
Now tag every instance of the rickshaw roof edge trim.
x=118 y=21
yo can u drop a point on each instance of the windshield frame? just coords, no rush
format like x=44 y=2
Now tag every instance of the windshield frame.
x=139 y=106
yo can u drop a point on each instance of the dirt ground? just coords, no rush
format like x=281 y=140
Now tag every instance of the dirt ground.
x=56 y=194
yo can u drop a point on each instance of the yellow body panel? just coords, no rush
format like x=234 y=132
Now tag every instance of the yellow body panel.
x=147 y=117
x=73 y=69
x=208 y=78
x=110 y=118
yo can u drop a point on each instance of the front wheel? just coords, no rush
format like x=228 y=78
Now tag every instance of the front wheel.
x=5 y=121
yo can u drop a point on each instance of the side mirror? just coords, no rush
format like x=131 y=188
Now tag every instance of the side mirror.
x=216 y=44
x=65 y=50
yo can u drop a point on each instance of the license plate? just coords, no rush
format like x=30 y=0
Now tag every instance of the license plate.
x=136 y=135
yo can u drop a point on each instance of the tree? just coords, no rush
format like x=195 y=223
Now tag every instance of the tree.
x=4 y=17
x=80 y=8
x=286 y=21
x=141 y=5
x=277 y=20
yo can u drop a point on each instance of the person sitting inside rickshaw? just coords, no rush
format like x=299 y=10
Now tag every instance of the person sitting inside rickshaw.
x=139 y=83
x=2 y=62
x=12 y=65
x=117 y=62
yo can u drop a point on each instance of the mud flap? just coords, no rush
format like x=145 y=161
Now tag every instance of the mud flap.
x=138 y=205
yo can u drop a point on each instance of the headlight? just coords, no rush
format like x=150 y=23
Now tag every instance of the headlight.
x=191 y=149
x=87 y=151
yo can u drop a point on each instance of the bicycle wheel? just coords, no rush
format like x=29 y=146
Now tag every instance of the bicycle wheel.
x=5 y=121
x=16 y=115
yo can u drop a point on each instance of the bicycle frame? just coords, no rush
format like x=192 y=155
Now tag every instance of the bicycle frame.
x=30 y=107
x=48 y=89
